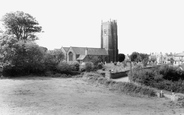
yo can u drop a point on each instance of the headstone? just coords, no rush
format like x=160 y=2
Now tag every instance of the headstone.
x=160 y=94
x=108 y=74
x=173 y=97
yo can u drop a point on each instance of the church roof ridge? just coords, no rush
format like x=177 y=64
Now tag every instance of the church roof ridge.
x=91 y=51
x=86 y=47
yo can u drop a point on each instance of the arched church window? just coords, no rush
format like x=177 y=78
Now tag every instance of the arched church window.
x=70 y=56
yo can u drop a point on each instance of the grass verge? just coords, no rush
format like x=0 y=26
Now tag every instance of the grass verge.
x=128 y=88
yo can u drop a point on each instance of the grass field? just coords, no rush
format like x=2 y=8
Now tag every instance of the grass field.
x=74 y=96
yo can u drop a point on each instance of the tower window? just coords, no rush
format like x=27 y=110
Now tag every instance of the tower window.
x=105 y=32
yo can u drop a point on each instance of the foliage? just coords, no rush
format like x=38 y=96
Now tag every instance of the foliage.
x=128 y=88
x=23 y=58
x=135 y=57
x=27 y=59
x=95 y=59
x=162 y=77
x=139 y=57
x=121 y=57
x=64 y=67
x=145 y=62
x=68 y=68
x=19 y=55
x=100 y=65
x=74 y=65
x=88 y=66
x=7 y=49
x=171 y=72
x=53 y=58
x=21 y=25
x=144 y=56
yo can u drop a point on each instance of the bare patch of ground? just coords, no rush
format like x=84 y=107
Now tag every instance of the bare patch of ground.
x=74 y=96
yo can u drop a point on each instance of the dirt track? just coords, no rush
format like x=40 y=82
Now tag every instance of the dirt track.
x=57 y=96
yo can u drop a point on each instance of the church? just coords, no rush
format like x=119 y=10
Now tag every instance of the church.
x=108 y=52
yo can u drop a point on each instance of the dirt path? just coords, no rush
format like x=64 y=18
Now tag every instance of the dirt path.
x=57 y=96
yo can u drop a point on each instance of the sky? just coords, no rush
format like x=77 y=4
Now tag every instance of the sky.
x=144 y=26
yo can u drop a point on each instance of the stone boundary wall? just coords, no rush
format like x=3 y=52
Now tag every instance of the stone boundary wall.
x=119 y=74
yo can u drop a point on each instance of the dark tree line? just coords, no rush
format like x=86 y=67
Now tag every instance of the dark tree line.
x=19 y=54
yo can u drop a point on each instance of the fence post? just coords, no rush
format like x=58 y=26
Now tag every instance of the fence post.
x=130 y=71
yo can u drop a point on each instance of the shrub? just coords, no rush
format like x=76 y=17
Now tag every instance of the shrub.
x=162 y=77
x=26 y=59
x=74 y=65
x=170 y=72
x=142 y=76
x=49 y=73
x=64 y=67
x=87 y=66
x=68 y=68
x=100 y=65
x=52 y=58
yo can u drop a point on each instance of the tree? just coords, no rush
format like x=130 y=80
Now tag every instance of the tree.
x=26 y=58
x=135 y=57
x=21 y=25
x=7 y=50
x=57 y=55
x=53 y=58
x=121 y=57
x=19 y=54
x=144 y=58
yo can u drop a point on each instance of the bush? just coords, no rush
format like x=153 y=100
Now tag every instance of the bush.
x=87 y=66
x=100 y=65
x=49 y=73
x=64 y=67
x=162 y=77
x=142 y=76
x=171 y=73
x=27 y=59
x=68 y=68
x=52 y=58
x=74 y=65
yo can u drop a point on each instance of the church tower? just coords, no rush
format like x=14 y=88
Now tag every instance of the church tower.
x=109 y=39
